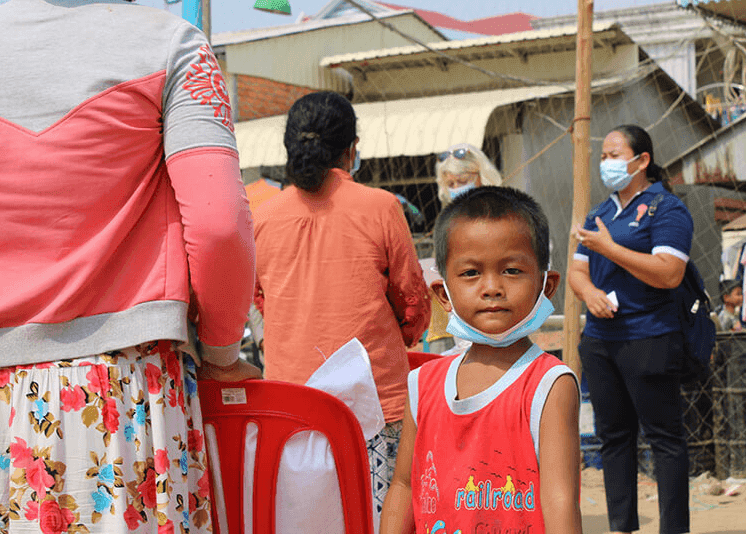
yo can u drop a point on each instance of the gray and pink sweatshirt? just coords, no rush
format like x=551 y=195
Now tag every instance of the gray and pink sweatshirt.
x=119 y=184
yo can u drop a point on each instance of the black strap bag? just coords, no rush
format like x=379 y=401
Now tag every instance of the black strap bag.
x=693 y=306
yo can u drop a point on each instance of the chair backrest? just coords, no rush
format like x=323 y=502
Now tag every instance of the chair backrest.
x=281 y=410
x=418 y=358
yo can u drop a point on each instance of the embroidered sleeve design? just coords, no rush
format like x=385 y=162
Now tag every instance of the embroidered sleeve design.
x=206 y=84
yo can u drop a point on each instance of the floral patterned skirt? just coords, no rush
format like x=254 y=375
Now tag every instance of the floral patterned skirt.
x=108 y=443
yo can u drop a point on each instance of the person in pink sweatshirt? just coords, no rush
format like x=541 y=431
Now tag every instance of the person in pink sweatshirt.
x=120 y=205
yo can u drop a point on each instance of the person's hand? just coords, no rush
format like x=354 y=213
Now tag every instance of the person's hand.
x=235 y=372
x=599 y=241
x=599 y=304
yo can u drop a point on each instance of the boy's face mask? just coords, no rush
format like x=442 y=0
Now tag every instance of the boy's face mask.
x=528 y=325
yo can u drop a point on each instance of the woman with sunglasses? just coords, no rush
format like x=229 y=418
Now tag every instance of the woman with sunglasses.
x=336 y=260
x=629 y=257
x=460 y=168
x=463 y=167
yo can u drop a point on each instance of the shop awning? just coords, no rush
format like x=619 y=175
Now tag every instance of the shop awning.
x=409 y=127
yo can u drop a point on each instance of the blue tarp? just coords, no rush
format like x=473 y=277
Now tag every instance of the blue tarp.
x=191 y=11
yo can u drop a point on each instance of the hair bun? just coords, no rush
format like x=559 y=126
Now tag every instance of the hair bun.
x=306 y=136
x=655 y=171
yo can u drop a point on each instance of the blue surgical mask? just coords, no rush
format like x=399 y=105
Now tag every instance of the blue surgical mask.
x=356 y=164
x=528 y=325
x=460 y=190
x=614 y=173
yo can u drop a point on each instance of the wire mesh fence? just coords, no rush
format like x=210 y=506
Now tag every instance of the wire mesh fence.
x=693 y=109
x=679 y=73
x=714 y=417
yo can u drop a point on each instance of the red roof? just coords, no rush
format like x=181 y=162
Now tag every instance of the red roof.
x=497 y=25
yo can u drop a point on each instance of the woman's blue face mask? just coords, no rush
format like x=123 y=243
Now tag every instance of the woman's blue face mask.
x=614 y=173
x=460 y=190
x=356 y=164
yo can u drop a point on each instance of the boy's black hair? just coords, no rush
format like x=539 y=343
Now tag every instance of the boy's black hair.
x=727 y=286
x=492 y=202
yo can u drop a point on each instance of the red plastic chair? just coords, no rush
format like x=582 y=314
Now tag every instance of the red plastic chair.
x=418 y=358
x=280 y=410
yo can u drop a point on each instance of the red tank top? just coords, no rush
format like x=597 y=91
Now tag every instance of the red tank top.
x=475 y=467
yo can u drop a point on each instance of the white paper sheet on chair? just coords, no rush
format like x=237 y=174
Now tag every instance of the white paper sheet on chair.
x=308 y=495
x=347 y=375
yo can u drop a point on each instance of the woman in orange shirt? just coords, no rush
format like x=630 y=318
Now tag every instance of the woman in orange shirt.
x=336 y=260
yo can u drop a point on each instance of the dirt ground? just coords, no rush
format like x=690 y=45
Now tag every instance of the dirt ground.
x=710 y=514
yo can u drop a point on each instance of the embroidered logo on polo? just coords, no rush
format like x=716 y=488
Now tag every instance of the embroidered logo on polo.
x=641 y=209
x=206 y=84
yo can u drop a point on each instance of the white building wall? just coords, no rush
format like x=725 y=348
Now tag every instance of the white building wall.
x=665 y=31
x=678 y=60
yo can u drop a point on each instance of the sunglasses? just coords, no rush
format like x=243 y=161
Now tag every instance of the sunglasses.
x=459 y=153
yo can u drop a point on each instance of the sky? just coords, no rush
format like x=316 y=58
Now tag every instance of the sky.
x=235 y=15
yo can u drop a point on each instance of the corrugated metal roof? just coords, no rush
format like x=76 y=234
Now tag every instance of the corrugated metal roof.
x=491 y=25
x=231 y=38
x=260 y=142
x=408 y=127
x=687 y=3
x=519 y=37
x=730 y=9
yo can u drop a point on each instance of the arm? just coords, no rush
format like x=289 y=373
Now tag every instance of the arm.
x=579 y=278
x=259 y=297
x=407 y=292
x=219 y=242
x=397 y=516
x=663 y=271
x=202 y=161
x=559 y=458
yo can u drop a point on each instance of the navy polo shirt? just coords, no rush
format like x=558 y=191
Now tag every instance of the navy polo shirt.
x=644 y=311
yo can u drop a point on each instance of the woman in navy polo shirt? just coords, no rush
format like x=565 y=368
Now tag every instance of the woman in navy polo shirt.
x=632 y=251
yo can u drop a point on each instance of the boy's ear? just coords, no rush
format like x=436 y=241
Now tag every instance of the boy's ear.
x=438 y=287
x=553 y=280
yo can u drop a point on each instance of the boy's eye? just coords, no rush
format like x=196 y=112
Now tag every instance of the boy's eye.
x=470 y=272
x=513 y=270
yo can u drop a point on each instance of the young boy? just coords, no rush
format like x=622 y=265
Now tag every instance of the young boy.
x=490 y=441
x=731 y=293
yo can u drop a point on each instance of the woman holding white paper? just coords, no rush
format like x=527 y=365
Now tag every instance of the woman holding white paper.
x=633 y=249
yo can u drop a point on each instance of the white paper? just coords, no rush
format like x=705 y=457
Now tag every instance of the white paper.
x=612 y=297
x=308 y=495
x=347 y=375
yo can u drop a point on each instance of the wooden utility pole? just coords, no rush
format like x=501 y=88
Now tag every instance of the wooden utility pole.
x=206 y=20
x=581 y=202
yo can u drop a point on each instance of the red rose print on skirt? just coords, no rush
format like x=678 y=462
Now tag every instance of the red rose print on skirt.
x=53 y=519
x=38 y=478
x=72 y=398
